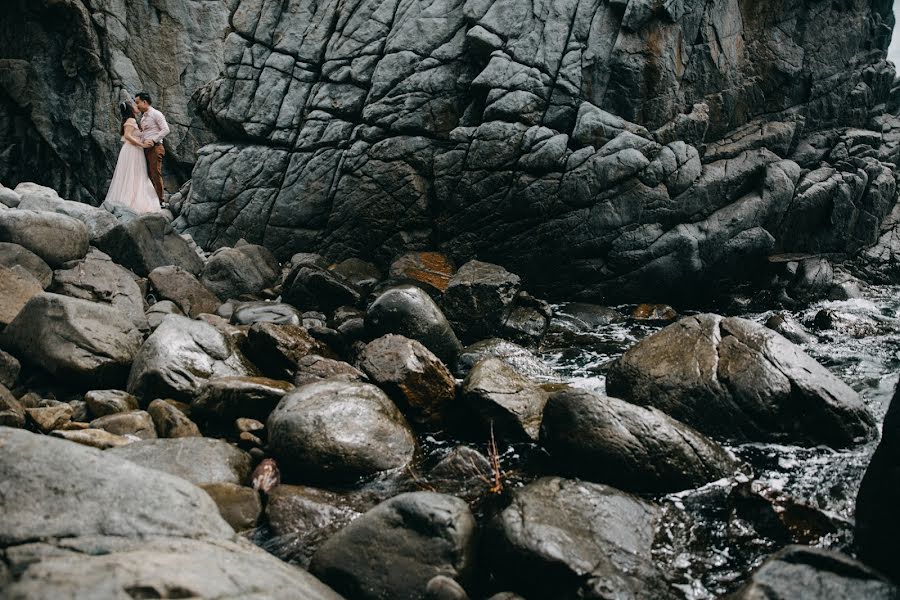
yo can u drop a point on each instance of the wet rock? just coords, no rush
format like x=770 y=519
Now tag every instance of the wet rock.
x=521 y=359
x=240 y=506
x=806 y=573
x=137 y=423
x=424 y=268
x=95 y=438
x=307 y=259
x=565 y=538
x=55 y=238
x=845 y=287
x=107 y=402
x=159 y=311
x=788 y=327
x=161 y=533
x=441 y=587
x=503 y=399
x=278 y=348
x=361 y=274
x=79 y=410
x=410 y=312
x=43 y=199
x=339 y=430
x=85 y=342
x=9 y=198
x=526 y=320
x=858 y=326
x=248 y=313
x=246 y=269
x=235 y=334
x=463 y=472
x=307 y=517
x=813 y=280
x=243 y=424
x=877 y=522
x=12 y=413
x=317 y=368
x=177 y=359
x=181 y=287
x=14 y=254
x=17 y=287
x=48 y=418
x=147 y=242
x=412 y=376
x=577 y=323
x=202 y=461
x=9 y=369
x=109 y=567
x=396 y=548
x=654 y=312
x=477 y=299
x=736 y=379
x=148 y=501
x=633 y=448
x=171 y=422
x=98 y=279
x=312 y=288
x=227 y=398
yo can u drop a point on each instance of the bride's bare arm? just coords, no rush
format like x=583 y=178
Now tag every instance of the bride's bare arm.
x=130 y=135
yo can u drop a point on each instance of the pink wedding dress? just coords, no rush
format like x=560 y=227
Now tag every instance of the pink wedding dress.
x=130 y=185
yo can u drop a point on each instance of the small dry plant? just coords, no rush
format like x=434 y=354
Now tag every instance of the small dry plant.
x=496 y=480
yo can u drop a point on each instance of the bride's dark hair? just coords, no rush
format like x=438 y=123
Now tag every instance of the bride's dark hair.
x=126 y=113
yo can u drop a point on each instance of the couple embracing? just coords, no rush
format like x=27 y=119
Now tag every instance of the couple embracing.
x=137 y=181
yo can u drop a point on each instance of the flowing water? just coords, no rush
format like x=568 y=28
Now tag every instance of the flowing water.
x=710 y=538
x=713 y=536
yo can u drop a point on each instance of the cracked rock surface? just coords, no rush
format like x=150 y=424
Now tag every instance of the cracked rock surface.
x=736 y=379
x=598 y=148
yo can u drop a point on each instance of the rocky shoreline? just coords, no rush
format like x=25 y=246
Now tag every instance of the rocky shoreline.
x=387 y=435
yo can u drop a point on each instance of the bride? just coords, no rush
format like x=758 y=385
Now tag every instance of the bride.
x=130 y=185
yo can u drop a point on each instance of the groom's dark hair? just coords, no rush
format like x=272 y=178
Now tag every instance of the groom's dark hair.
x=144 y=96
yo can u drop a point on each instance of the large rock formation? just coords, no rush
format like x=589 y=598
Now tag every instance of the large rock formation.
x=728 y=131
x=612 y=149
x=64 y=66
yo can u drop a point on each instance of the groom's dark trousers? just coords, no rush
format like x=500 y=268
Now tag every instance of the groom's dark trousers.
x=154 y=155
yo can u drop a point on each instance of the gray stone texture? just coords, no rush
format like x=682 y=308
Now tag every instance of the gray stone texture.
x=393 y=550
x=728 y=131
x=562 y=538
x=808 y=573
x=81 y=523
x=737 y=379
x=88 y=342
x=180 y=356
x=200 y=460
x=339 y=430
x=98 y=279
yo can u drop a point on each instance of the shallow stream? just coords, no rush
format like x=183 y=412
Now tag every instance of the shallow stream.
x=713 y=536
x=710 y=538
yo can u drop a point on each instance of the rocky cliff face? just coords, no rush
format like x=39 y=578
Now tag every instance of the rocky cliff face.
x=604 y=148
x=600 y=147
x=64 y=66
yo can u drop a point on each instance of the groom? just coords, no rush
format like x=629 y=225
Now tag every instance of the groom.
x=154 y=129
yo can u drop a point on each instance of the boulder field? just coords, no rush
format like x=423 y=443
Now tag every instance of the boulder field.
x=160 y=410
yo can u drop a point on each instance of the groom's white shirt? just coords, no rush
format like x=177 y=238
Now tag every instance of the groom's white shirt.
x=154 y=126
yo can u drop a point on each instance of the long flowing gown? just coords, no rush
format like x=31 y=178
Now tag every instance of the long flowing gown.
x=130 y=185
